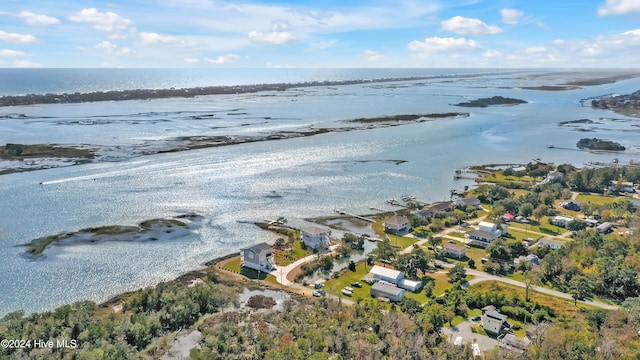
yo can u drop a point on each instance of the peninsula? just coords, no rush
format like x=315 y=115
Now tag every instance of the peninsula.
x=492 y=101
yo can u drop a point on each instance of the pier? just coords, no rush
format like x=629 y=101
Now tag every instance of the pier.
x=342 y=212
x=395 y=202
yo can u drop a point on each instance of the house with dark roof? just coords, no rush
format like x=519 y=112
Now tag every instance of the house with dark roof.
x=493 y=322
x=258 y=257
x=465 y=202
x=570 y=205
x=429 y=211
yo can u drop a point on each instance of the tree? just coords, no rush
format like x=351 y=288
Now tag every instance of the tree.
x=577 y=225
x=526 y=210
x=541 y=211
x=531 y=278
x=436 y=225
x=580 y=287
x=435 y=241
x=471 y=263
x=385 y=250
x=457 y=274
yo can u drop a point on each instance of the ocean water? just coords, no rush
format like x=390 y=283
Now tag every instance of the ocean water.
x=313 y=175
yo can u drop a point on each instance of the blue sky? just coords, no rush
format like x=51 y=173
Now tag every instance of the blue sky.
x=328 y=33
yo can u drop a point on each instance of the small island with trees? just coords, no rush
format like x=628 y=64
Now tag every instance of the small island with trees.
x=599 y=144
x=492 y=101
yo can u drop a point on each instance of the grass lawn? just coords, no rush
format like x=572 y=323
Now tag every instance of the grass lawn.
x=599 y=200
x=563 y=307
x=520 y=235
x=497 y=177
x=456 y=234
x=284 y=258
x=543 y=227
x=334 y=286
x=234 y=266
x=402 y=242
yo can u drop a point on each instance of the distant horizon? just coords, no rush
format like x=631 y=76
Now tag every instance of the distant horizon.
x=327 y=34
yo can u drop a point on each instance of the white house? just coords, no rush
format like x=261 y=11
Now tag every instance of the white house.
x=561 y=221
x=257 y=257
x=315 y=237
x=396 y=224
x=394 y=277
x=386 y=274
x=494 y=322
x=605 y=228
x=465 y=202
x=486 y=233
x=553 y=244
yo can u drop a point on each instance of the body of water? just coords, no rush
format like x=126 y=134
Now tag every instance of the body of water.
x=312 y=175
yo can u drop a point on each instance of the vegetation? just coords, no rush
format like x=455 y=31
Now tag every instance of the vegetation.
x=22 y=152
x=495 y=100
x=599 y=144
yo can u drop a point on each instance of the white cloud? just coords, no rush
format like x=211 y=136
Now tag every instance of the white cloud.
x=103 y=21
x=619 y=7
x=632 y=32
x=275 y=37
x=16 y=38
x=38 y=19
x=371 y=55
x=542 y=25
x=113 y=49
x=158 y=39
x=536 y=50
x=511 y=16
x=559 y=42
x=223 y=59
x=492 y=54
x=438 y=44
x=11 y=53
x=467 y=26
x=25 y=64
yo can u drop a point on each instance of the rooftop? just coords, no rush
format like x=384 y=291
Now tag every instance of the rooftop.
x=396 y=220
x=483 y=234
x=314 y=230
x=452 y=246
x=389 y=289
x=259 y=248
x=386 y=272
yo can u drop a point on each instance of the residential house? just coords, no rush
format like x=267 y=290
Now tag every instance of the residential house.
x=396 y=224
x=519 y=169
x=386 y=274
x=570 y=205
x=429 y=211
x=466 y=202
x=455 y=250
x=625 y=186
x=486 y=233
x=532 y=259
x=554 y=175
x=512 y=342
x=390 y=292
x=553 y=244
x=258 y=257
x=394 y=277
x=493 y=322
x=315 y=237
x=561 y=221
x=508 y=217
x=604 y=228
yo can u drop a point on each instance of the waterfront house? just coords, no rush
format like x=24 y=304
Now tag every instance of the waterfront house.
x=258 y=257
x=466 y=202
x=315 y=237
x=553 y=244
x=455 y=250
x=396 y=224
x=429 y=211
x=390 y=292
x=553 y=175
x=561 y=221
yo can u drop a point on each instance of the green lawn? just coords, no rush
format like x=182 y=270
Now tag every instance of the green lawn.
x=402 y=242
x=234 y=266
x=543 y=227
x=284 y=258
x=456 y=234
x=334 y=286
x=598 y=200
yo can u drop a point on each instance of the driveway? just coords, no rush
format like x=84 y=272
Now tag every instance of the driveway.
x=464 y=329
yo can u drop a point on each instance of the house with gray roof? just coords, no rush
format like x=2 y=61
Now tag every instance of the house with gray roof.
x=258 y=257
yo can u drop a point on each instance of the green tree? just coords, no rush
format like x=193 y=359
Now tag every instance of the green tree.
x=580 y=287
x=457 y=274
x=526 y=210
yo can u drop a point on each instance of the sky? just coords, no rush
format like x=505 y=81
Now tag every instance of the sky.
x=320 y=34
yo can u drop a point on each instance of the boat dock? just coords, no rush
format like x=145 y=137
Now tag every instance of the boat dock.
x=395 y=202
x=342 y=212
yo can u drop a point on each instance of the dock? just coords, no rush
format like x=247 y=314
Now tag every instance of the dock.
x=395 y=202
x=342 y=212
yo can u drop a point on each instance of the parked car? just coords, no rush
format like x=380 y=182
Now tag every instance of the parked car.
x=438 y=265
x=347 y=288
x=316 y=293
x=356 y=284
x=347 y=292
